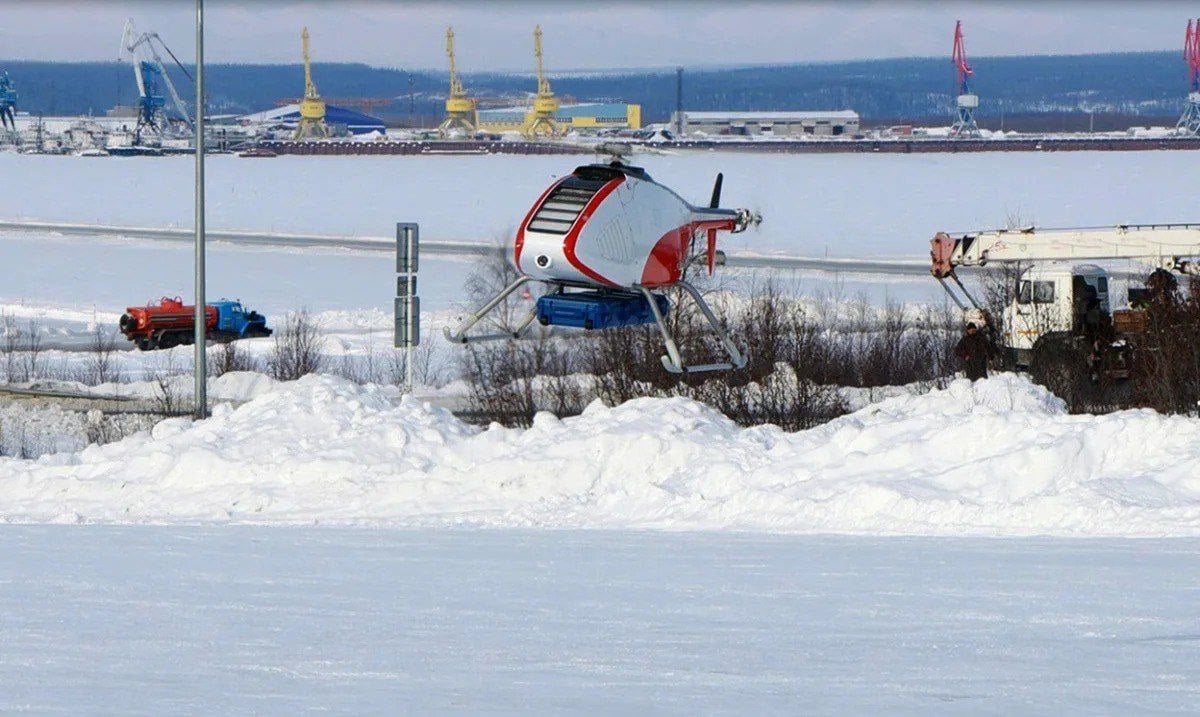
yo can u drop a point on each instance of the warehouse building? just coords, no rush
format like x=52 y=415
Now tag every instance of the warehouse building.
x=583 y=117
x=771 y=124
x=288 y=116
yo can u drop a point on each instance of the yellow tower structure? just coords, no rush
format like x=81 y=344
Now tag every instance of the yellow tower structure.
x=461 y=114
x=312 y=107
x=541 y=122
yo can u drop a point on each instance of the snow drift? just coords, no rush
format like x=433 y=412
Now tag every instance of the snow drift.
x=997 y=457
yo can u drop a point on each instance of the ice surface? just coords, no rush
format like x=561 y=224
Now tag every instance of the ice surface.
x=995 y=457
x=840 y=205
x=239 y=620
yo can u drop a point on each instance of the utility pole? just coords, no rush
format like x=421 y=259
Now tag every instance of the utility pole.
x=678 y=101
x=201 y=335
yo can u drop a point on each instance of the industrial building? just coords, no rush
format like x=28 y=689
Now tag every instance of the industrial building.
x=583 y=117
x=289 y=116
x=797 y=123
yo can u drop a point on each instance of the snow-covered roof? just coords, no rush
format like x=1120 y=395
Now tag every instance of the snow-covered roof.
x=355 y=121
x=783 y=116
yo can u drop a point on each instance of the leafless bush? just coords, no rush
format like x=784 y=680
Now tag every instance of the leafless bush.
x=31 y=366
x=796 y=361
x=297 y=349
x=166 y=399
x=100 y=366
x=227 y=357
x=9 y=345
x=1166 y=355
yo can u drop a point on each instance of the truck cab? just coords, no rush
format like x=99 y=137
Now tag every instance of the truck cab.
x=1053 y=298
x=235 y=322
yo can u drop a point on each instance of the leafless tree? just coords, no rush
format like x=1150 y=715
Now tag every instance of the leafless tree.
x=297 y=349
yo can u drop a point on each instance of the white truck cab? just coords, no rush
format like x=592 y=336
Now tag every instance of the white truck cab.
x=1052 y=298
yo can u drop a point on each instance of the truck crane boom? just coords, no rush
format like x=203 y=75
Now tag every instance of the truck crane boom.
x=1059 y=299
x=1174 y=247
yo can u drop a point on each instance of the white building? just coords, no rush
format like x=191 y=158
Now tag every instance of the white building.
x=792 y=123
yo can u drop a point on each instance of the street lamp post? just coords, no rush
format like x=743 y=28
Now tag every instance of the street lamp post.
x=201 y=335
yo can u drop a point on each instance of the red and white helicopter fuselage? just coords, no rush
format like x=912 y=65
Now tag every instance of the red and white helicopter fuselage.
x=608 y=239
x=613 y=226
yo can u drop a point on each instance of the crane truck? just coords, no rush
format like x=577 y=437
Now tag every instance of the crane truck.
x=1062 y=303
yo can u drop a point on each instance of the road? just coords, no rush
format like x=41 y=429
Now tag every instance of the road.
x=887 y=267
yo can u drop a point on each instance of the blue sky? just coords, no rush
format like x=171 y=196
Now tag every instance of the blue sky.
x=591 y=35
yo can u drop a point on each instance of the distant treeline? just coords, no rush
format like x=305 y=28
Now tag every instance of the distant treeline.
x=1151 y=84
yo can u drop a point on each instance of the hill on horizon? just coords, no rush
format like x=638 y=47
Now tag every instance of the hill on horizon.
x=1150 y=84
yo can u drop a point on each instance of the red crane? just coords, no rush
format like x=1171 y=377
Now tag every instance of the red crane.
x=1191 y=53
x=959 y=58
x=964 y=121
x=1189 y=122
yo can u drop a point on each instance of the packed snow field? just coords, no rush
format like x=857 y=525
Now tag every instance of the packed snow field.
x=997 y=457
x=850 y=206
x=242 y=620
x=814 y=205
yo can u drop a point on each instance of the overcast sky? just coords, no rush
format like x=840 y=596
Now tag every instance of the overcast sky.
x=589 y=35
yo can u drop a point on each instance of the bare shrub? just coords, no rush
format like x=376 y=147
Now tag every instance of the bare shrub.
x=228 y=357
x=297 y=349
x=9 y=344
x=31 y=366
x=796 y=361
x=100 y=365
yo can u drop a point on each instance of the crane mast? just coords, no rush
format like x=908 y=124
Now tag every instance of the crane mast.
x=312 y=107
x=8 y=103
x=966 y=102
x=148 y=72
x=542 y=121
x=461 y=114
x=1189 y=121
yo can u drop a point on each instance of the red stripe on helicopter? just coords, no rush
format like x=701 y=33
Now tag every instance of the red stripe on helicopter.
x=664 y=266
x=519 y=242
x=573 y=235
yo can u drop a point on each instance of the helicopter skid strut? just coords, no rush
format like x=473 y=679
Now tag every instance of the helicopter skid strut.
x=460 y=336
x=672 y=362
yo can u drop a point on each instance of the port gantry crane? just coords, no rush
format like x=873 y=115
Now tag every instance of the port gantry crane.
x=312 y=107
x=461 y=114
x=1189 y=122
x=8 y=104
x=966 y=102
x=151 y=76
x=542 y=121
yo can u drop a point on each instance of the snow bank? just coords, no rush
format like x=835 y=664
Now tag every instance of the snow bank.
x=996 y=457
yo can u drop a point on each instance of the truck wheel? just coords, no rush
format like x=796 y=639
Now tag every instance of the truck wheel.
x=144 y=344
x=167 y=340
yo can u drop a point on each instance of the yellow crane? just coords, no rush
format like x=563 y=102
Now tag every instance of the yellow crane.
x=541 y=121
x=312 y=107
x=461 y=115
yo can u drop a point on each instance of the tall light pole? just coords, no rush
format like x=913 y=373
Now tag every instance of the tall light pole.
x=201 y=335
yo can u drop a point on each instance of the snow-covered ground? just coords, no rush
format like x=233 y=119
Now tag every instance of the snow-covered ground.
x=242 y=620
x=999 y=457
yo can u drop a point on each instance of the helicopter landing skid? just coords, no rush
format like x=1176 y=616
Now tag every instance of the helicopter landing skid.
x=673 y=361
x=460 y=336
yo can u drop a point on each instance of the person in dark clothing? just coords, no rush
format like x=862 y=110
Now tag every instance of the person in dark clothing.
x=974 y=350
